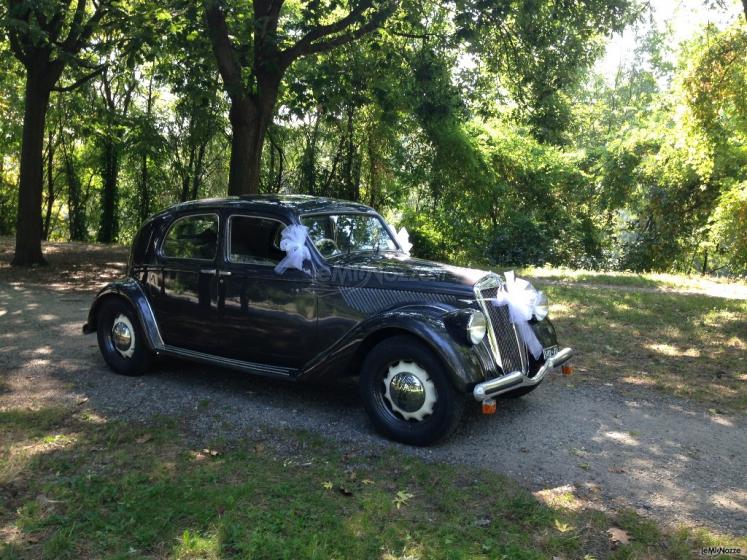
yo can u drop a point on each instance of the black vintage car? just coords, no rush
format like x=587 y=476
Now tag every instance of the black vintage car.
x=203 y=283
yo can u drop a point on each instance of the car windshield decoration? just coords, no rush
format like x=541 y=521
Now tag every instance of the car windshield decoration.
x=342 y=234
x=293 y=242
x=403 y=238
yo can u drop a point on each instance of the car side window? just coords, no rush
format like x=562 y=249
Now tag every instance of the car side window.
x=192 y=237
x=254 y=240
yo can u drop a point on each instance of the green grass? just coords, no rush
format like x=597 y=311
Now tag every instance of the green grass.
x=694 y=346
x=76 y=486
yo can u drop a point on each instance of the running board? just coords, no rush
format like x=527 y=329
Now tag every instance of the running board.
x=249 y=367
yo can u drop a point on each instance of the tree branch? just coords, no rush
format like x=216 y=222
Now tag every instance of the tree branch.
x=17 y=47
x=55 y=24
x=76 y=84
x=417 y=35
x=75 y=27
x=312 y=42
x=228 y=63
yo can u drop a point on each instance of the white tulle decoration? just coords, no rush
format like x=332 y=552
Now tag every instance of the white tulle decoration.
x=403 y=238
x=293 y=242
x=522 y=300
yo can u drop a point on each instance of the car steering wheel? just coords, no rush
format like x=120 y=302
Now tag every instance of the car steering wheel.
x=326 y=241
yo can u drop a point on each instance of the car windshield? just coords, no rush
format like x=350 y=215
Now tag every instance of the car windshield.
x=342 y=234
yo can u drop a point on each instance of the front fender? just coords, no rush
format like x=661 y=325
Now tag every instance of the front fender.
x=427 y=322
x=132 y=292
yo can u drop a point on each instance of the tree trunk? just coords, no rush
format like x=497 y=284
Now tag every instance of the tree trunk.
x=187 y=174
x=108 y=224
x=705 y=262
x=76 y=214
x=308 y=162
x=50 y=186
x=249 y=119
x=245 y=162
x=197 y=174
x=351 y=169
x=29 y=219
x=144 y=189
x=144 y=179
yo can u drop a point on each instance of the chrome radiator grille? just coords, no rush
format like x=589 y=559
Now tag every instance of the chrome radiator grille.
x=508 y=349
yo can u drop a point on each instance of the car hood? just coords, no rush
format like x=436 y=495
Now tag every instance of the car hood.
x=399 y=271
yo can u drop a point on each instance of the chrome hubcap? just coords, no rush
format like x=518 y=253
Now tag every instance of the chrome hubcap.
x=123 y=336
x=409 y=390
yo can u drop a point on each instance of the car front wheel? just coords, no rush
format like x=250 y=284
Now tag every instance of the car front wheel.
x=407 y=393
x=121 y=340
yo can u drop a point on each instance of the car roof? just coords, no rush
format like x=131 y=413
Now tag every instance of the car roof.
x=296 y=203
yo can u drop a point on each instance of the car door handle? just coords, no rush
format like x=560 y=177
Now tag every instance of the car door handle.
x=208 y=271
x=224 y=273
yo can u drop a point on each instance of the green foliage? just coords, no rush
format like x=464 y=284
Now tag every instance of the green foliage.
x=478 y=125
x=729 y=232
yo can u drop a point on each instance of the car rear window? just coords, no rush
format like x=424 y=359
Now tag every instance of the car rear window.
x=192 y=237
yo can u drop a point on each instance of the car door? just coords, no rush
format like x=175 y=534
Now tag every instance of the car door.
x=265 y=317
x=185 y=303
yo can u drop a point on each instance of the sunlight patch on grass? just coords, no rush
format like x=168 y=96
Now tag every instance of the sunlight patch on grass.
x=638 y=381
x=92 y=417
x=688 y=345
x=561 y=497
x=670 y=350
x=192 y=545
x=711 y=285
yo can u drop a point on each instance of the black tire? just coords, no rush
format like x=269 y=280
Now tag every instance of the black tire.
x=141 y=356
x=447 y=409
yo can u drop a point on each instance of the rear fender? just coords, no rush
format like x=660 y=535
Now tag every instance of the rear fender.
x=132 y=292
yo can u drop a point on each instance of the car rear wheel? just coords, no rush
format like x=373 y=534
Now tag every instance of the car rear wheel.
x=121 y=339
x=407 y=393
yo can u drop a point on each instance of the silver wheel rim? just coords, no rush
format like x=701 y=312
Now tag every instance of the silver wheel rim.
x=123 y=336
x=409 y=390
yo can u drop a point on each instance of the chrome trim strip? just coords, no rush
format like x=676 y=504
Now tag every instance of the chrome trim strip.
x=489 y=281
x=522 y=350
x=252 y=367
x=516 y=379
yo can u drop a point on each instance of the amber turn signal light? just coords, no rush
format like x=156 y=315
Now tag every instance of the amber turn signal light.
x=488 y=406
x=567 y=370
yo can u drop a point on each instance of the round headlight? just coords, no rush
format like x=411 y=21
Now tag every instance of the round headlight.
x=477 y=326
x=541 y=306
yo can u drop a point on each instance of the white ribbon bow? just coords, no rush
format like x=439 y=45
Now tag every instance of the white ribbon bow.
x=293 y=242
x=403 y=237
x=522 y=300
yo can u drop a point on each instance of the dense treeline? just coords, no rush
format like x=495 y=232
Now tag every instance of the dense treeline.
x=480 y=126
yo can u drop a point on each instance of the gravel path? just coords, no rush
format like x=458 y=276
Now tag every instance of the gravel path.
x=666 y=458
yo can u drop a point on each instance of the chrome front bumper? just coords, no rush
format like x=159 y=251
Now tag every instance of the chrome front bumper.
x=517 y=379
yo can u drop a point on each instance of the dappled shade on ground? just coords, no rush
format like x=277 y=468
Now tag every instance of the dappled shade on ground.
x=76 y=484
x=692 y=345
